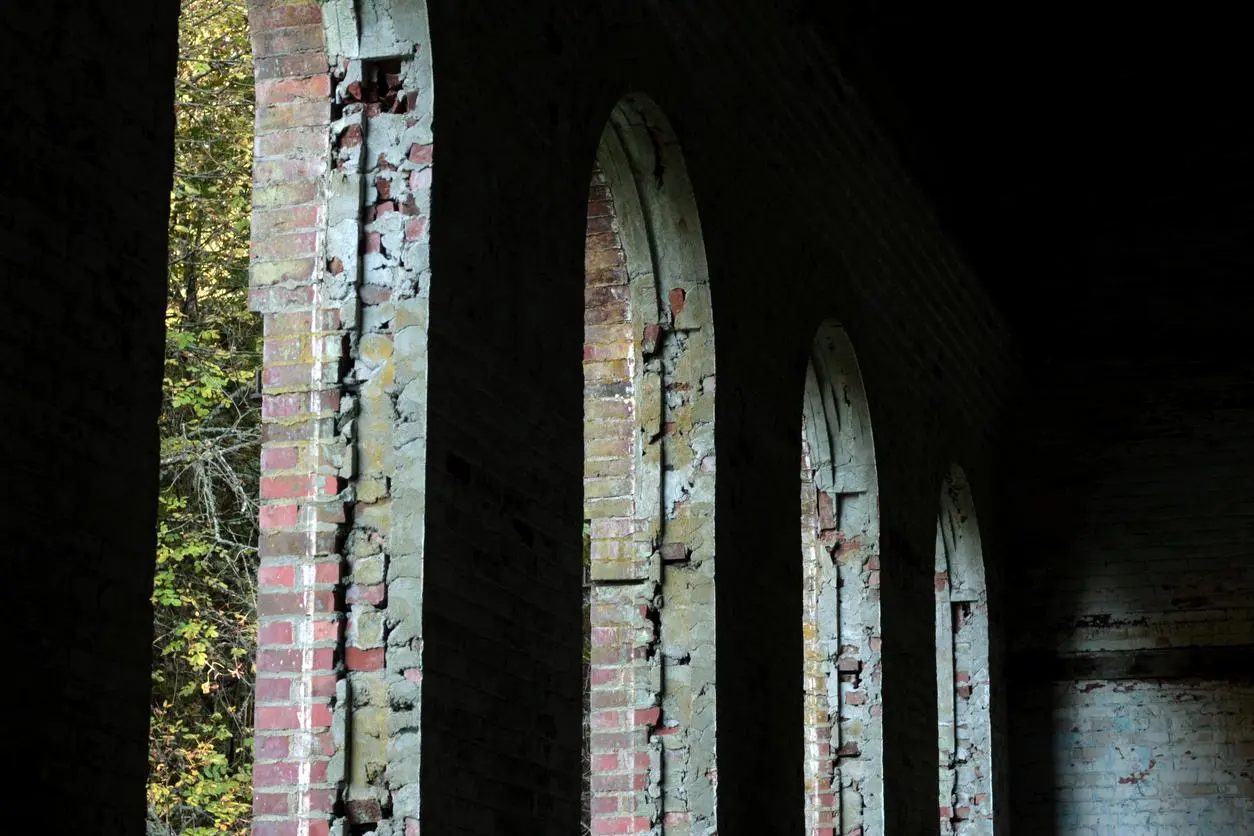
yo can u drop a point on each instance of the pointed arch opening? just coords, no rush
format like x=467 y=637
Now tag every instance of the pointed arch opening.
x=962 y=665
x=649 y=387
x=840 y=584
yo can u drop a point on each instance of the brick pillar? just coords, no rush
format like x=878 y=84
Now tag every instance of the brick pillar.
x=962 y=665
x=649 y=388
x=341 y=273
x=626 y=673
x=302 y=513
x=841 y=609
x=821 y=799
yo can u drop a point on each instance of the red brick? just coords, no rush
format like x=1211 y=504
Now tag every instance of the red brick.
x=267 y=827
x=324 y=686
x=293 y=603
x=414 y=228
x=326 y=629
x=374 y=594
x=277 y=117
x=275 y=633
x=357 y=659
x=271 y=746
x=273 y=433
x=277 y=15
x=364 y=810
x=275 y=774
x=280 y=66
x=283 y=577
x=301 y=323
x=271 y=660
x=287 y=170
x=292 y=404
x=291 y=245
x=272 y=299
x=296 y=543
x=298 y=487
x=621 y=824
x=280 y=516
x=285 y=219
x=270 y=803
x=273 y=689
x=289 y=716
x=289 y=40
x=272 y=91
x=676 y=298
x=279 y=458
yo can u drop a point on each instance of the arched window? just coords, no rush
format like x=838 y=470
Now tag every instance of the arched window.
x=962 y=681
x=648 y=485
x=841 y=613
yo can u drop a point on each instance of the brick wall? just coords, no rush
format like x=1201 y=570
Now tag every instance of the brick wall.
x=341 y=205
x=1158 y=554
x=649 y=389
x=841 y=629
x=422 y=483
x=1134 y=627
x=453 y=444
x=965 y=686
x=1154 y=756
x=423 y=473
x=299 y=596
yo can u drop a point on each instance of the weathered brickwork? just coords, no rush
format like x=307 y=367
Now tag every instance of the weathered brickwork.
x=1155 y=757
x=1134 y=644
x=423 y=474
x=840 y=591
x=963 y=681
x=648 y=485
x=426 y=430
x=340 y=273
x=303 y=466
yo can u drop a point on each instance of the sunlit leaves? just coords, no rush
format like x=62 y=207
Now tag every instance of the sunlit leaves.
x=203 y=594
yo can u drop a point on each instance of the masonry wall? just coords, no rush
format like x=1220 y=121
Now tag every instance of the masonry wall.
x=420 y=588
x=470 y=722
x=83 y=209
x=1135 y=625
x=649 y=484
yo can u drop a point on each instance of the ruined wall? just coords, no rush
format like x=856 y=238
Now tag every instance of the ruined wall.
x=423 y=453
x=1136 y=628
x=340 y=274
x=649 y=387
x=840 y=622
x=83 y=210
x=965 y=687
x=1144 y=755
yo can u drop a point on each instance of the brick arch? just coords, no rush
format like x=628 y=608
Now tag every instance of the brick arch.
x=649 y=387
x=962 y=665
x=840 y=612
x=341 y=205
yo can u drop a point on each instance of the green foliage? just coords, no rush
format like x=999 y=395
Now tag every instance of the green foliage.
x=205 y=625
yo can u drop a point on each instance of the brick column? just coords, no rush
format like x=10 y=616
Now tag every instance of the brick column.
x=821 y=800
x=302 y=513
x=341 y=273
x=649 y=389
x=626 y=673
